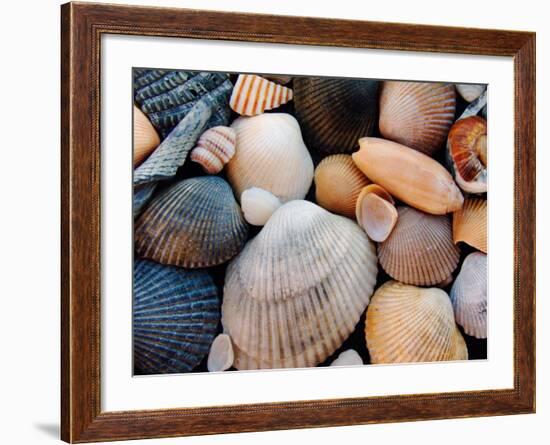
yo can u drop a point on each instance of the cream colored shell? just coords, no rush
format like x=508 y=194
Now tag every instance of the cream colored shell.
x=375 y=212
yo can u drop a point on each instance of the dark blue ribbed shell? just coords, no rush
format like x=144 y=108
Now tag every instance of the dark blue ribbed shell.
x=175 y=317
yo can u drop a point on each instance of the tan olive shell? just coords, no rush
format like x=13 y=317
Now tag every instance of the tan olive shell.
x=417 y=114
x=420 y=249
x=407 y=324
x=146 y=138
x=408 y=175
x=470 y=223
x=338 y=183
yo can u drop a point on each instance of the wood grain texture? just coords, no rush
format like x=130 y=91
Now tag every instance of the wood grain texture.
x=82 y=27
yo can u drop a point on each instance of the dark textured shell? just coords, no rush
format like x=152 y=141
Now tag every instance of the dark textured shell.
x=167 y=99
x=193 y=223
x=335 y=113
x=175 y=317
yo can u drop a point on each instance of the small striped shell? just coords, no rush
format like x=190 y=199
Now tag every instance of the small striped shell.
x=467 y=151
x=271 y=155
x=146 y=138
x=258 y=205
x=417 y=114
x=470 y=91
x=470 y=224
x=338 y=182
x=375 y=212
x=469 y=295
x=253 y=95
x=193 y=223
x=298 y=289
x=214 y=149
x=420 y=248
x=175 y=317
x=408 y=324
x=335 y=113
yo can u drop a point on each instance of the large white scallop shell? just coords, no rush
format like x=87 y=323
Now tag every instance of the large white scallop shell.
x=253 y=95
x=407 y=324
x=298 y=289
x=469 y=295
x=271 y=155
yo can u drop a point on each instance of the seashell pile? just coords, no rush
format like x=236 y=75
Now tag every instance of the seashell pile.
x=290 y=221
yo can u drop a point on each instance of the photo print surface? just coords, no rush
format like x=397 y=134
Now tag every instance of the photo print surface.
x=292 y=222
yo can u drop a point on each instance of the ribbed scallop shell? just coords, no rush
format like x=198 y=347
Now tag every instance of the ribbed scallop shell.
x=146 y=138
x=214 y=149
x=298 y=289
x=467 y=150
x=338 y=182
x=253 y=95
x=375 y=212
x=417 y=114
x=335 y=113
x=258 y=205
x=420 y=248
x=270 y=155
x=470 y=91
x=470 y=224
x=193 y=223
x=469 y=295
x=175 y=317
x=407 y=324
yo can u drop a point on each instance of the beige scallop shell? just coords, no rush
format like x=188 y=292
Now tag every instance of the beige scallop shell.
x=470 y=224
x=298 y=289
x=252 y=95
x=417 y=114
x=271 y=155
x=375 y=212
x=420 y=248
x=470 y=91
x=338 y=182
x=214 y=149
x=407 y=324
x=469 y=295
x=146 y=138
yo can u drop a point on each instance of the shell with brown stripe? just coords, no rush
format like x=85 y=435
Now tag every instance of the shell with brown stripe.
x=252 y=95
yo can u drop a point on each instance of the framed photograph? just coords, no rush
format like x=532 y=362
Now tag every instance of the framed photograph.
x=274 y=222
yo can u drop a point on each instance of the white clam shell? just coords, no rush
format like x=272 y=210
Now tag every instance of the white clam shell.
x=469 y=295
x=271 y=155
x=349 y=357
x=258 y=205
x=298 y=289
x=220 y=357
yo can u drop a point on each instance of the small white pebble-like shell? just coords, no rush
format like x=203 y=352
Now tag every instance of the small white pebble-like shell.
x=258 y=205
x=349 y=357
x=215 y=148
x=252 y=95
x=470 y=91
x=221 y=355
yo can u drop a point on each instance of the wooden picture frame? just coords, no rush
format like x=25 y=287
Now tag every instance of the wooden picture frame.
x=82 y=26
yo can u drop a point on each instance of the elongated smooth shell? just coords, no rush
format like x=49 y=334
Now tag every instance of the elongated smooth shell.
x=175 y=317
x=146 y=138
x=470 y=91
x=417 y=114
x=253 y=95
x=298 y=289
x=409 y=175
x=338 y=182
x=467 y=150
x=375 y=212
x=335 y=113
x=220 y=357
x=271 y=155
x=194 y=223
x=469 y=295
x=349 y=357
x=214 y=149
x=258 y=205
x=407 y=324
x=470 y=223
x=420 y=248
